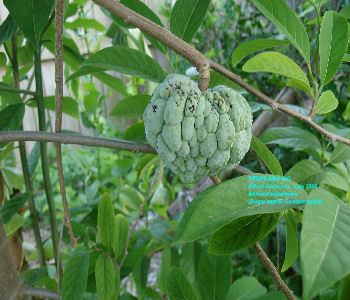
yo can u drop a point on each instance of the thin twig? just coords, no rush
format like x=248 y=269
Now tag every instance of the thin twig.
x=75 y=139
x=197 y=59
x=58 y=104
x=149 y=193
x=273 y=271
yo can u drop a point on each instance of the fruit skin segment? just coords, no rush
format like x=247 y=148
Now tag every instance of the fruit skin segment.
x=195 y=134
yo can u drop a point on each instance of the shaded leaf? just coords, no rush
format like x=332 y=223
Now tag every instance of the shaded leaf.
x=142 y=9
x=292 y=247
x=122 y=231
x=11 y=117
x=104 y=275
x=217 y=206
x=105 y=221
x=266 y=155
x=287 y=21
x=85 y=23
x=69 y=105
x=249 y=47
x=306 y=172
x=274 y=62
x=31 y=17
x=12 y=206
x=324 y=243
x=16 y=222
x=124 y=60
x=178 y=286
x=291 y=137
x=186 y=17
x=242 y=233
x=7 y=29
x=214 y=276
x=341 y=152
x=246 y=288
x=75 y=275
x=333 y=44
x=131 y=107
x=136 y=133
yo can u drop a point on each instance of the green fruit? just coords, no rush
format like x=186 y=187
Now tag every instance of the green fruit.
x=195 y=134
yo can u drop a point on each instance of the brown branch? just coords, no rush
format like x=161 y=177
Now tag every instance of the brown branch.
x=74 y=139
x=215 y=180
x=273 y=271
x=198 y=59
x=58 y=106
x=204 y=77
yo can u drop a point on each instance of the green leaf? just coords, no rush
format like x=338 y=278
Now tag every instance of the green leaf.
x=178 y=286
x=124 y=60
x=31 y=17
x=346 y=57
x=266 y=155
x=131 y=198
x=122 y=231
x=249 y=47
x=116 y=282
x=75 y=275
x=345 y=291
x=294 y=137
x=334 y=179
x=217 y=206
x=275 y=295
x=326 y=103
x=242 y=233
x=10 y=207
x=104 y=275
x=16 y=222
x=274 y=62
x=246 y=288
x=286 y=20
x=105 y=221
x=69 y=105
x=341 y=152
x=186 y=17
x=85 y=23
x=292 y=247
x=306 y=171
x=214 y=276
x=131 y=107
x=140 y=274
x=142 y=9
x=324 y=243
x=3 y=60
x=300 y=86
x=7 y=29
x=11 y=117
x=114 y=83
x=33 y=158
x=136 y=133
x=333 y=44
x=345 y=11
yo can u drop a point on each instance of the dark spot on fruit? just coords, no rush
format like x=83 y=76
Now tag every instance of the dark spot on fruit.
x=154 y=108
x=191 y=109
x=230 y=105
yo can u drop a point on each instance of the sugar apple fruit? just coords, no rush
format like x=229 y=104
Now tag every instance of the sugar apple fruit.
x=195 y=134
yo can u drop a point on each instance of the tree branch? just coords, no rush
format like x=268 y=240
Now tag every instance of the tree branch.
x=74 y=139
x=58 y=106
x=198 y=60
x=273 y=271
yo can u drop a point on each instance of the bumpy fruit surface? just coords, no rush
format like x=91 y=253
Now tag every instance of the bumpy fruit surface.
x=195 y=134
